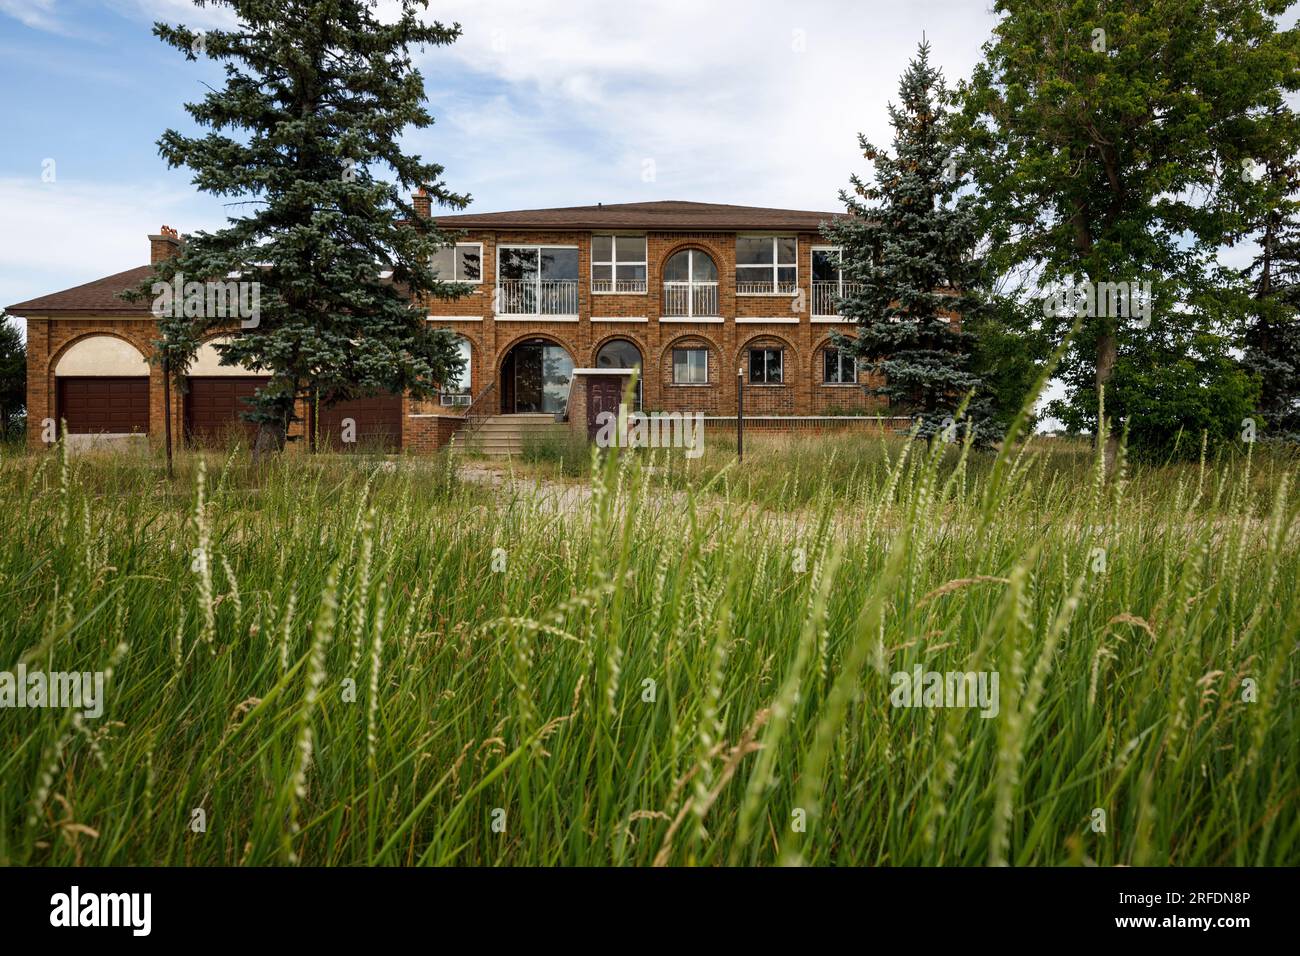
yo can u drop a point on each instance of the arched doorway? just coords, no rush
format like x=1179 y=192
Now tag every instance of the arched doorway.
x=535 y=378
x=621 y=353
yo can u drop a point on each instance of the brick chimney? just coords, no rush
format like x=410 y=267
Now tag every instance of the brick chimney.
x=422 y=203
x=165 y=245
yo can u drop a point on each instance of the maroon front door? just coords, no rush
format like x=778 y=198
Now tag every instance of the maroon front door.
x=104 y=405
x=604 y=392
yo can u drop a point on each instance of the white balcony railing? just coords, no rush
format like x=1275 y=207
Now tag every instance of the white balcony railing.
x=765 y=288
x=537 y=297
x=826 y=292
x=618 y=285
x=687 y=299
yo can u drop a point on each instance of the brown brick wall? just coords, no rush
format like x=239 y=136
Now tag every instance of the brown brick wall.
x=789 y=327
x=784 y=322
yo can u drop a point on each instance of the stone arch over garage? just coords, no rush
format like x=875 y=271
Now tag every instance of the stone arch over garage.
x=101 y=386
x=100 y=355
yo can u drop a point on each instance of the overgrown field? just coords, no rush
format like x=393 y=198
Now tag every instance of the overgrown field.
x=342 y=660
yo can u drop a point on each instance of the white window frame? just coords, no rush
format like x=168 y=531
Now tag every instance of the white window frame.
x=750 y=350
x=460 y=394
x=841 y=353
x=690 y=283
x=672 y=357
x=614 y=262
x=455 y=262
x=774 y=265
x=538 y=246
x=839 y=281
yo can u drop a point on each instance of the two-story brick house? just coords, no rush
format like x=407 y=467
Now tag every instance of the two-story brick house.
x=689 y=293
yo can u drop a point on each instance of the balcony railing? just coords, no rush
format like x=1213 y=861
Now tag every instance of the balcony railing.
x=687 y=299
x=826 y=292
x=618 y=285
x=766 y=288
x=537 y=297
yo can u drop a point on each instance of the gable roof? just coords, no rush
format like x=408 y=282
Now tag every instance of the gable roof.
x=674 y=215
x=98 y=297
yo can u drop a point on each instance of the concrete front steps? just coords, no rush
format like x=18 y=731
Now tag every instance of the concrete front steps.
x=503 y=435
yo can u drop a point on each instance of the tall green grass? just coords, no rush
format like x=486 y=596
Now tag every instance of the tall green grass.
x=348 y=661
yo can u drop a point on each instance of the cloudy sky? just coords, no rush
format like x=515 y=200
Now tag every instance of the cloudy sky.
x=755 y=102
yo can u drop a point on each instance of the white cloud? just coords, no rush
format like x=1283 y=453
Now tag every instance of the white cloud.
x=61 y=234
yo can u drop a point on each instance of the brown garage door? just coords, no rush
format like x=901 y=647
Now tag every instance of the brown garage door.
x=213 y=406
x=116 y=406
x=377 y=423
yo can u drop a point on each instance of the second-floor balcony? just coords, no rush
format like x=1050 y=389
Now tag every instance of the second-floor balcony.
x=690 y=299
x=622 y=286
x=826 y=293
x=766 y=288
x=537 y=297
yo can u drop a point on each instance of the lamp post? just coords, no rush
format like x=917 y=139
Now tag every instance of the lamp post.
x=740 y=413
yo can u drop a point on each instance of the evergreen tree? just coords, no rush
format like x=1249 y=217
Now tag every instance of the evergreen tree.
x=315 y=98
x=909 y=243
x=1272 y=335
x=13 y=377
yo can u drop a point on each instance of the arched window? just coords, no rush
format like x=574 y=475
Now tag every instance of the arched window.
x=690 y=284
x=620 y=353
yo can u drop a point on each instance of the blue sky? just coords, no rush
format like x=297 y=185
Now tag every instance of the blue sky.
x=755 y=102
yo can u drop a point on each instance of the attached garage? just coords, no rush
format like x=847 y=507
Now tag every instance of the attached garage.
x=103 y=387
x=104 y=406
x=216 y=397
x=213 y=408
x=375 y=423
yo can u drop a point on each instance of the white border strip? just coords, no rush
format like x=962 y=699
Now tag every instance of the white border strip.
x=766 y=320
x=542 y=319
x=617 y=318
x=693 y=319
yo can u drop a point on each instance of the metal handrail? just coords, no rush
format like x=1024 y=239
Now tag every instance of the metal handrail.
x=473 y=419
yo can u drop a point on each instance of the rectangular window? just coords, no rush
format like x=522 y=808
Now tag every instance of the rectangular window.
x=462 y=262
x=765 y=366
x=766 y=265
x=537 y=280
x=618 y=264
x=839 y=367
x=828 y=285
x=690 y=366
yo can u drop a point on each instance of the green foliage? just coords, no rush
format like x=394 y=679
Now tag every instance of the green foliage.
x=13 y=379
x=310 y=117
x=500 y=640
x=1182 y=393
x=1110 y=141
x=910 y=244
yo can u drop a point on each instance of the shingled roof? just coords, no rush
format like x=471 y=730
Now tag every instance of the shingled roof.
x=97 y=298
x=671 y=215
